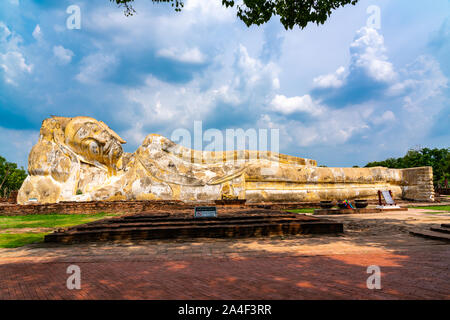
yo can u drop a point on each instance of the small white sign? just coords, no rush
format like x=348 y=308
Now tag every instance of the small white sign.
x=205 y=212
x=387 y=197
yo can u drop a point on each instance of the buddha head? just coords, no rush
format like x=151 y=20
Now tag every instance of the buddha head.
x=92 y=141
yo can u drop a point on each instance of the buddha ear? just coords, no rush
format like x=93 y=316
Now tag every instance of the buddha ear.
x=111 y=132
x=52 y=129
x=63 y=121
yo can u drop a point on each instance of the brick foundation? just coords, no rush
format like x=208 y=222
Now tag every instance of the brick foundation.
x=88 y=207
x=130 y=207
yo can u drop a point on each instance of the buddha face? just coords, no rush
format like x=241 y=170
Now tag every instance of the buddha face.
x=94 y=141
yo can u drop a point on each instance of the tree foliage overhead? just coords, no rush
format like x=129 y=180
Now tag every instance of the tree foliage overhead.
x=11 y=177
x=439 y=159
x=129 y=10
x=291 y=12
x=256 y=12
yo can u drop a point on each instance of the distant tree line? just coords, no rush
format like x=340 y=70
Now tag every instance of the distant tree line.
x=439 y=159
x=11 y=177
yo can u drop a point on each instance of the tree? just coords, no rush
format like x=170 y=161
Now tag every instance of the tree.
x=11 y=177
x=439 y=159
x=291 y=12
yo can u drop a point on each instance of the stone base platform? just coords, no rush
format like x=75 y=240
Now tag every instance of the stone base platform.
x=89 y=207
x=355 y=211
x=138 y=206
x=436 y=233
x=181 y=225
x=231 y=203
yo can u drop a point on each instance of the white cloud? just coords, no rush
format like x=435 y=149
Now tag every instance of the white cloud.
x=211 y=10
x=386 y=117
x=64 y=55
x=424 y=99
x=330 y=128
x=12 y=59
x=400 y=88
x=4 y=32
x=13 y=64
x=159 y=103
x=428 y=79
x=368 y=53
x=37 y=33
x=193 y=55
x=276 y=83
x=288 y=106
x=418 y=87
x=252 y=74
x=95 y=67
x=164 y=27
x=368 y=60
x=135 y=134
x=332 y=80
x=245 y=82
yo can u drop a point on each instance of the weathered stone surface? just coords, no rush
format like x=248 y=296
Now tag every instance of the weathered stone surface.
x=81 y=159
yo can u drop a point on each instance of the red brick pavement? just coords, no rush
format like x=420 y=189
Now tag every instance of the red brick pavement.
x=412 y=274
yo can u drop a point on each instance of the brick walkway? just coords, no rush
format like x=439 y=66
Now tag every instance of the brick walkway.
x=292 y=268
x=412 y=275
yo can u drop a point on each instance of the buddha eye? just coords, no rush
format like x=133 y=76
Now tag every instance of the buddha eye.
x=94 y=147
x=91 y=146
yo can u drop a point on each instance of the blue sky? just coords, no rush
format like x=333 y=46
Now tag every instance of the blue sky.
x=342 y=93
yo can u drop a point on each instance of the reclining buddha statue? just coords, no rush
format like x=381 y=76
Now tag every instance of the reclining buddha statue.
x=81 y=159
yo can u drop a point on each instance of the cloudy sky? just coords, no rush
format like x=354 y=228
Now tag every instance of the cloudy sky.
x=344 y=93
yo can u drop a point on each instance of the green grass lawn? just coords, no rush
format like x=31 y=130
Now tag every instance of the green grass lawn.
x=304 y=210
x=441 y=208
x=49 y=220
x=13 y=240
